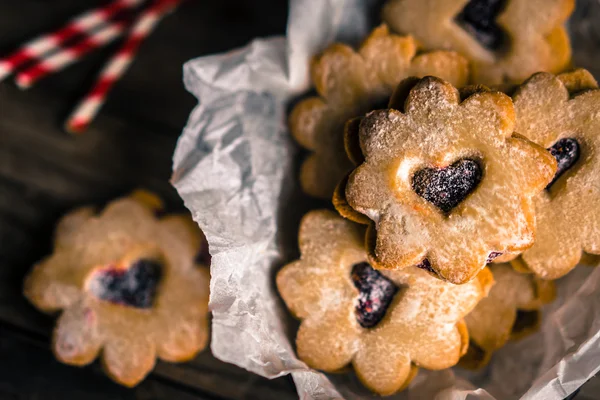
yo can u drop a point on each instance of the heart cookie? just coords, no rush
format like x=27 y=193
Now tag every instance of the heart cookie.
x=128 y=288
x=350 y=83
x=385 y=323
x=443 y=181
x=505 y=40
x=560 y=113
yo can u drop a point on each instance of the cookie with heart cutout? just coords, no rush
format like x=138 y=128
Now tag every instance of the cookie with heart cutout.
x=386 y=324
x=510 y=311
x=505 y=40
x=350 y=83
x=560 y=113
x=128 y=286
x=442 y=178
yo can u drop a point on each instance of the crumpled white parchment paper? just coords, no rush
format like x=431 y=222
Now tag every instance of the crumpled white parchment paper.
x=235 y=166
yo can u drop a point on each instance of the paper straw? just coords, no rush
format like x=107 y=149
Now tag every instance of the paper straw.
x=69 y=55
x=118 y=65
x=46 y=44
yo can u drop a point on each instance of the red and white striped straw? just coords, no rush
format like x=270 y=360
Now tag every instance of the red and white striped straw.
x=67 y=56
x=118 y=65
x=45 y=44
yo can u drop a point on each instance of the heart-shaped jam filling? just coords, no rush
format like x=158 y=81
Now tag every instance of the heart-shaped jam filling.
x=478 y=18
x=375 y=293
x=566 y=152
x=134 y=286
x=447 y=187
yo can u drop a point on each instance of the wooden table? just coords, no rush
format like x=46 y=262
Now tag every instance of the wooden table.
x=45 y=172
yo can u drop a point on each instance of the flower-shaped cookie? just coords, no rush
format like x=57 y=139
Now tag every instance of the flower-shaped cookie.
x=128 y=286
x=386 y=324
x=351 y=83
x=560 y=113
x=510 y=311
x=506 y=40
x=443 y=179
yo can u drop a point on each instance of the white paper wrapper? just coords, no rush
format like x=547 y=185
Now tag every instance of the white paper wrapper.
x=235 y=166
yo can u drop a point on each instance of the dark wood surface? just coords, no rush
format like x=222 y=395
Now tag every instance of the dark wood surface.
x=45 y=172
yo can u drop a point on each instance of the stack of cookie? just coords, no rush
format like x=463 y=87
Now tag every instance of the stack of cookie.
x=457 y=203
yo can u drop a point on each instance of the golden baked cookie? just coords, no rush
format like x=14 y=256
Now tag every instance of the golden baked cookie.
x=349 y=84
x=442 y=180
x=560 y=113
x=128 y=287
x=506 y=40
x=386 y=324
x=510 y=311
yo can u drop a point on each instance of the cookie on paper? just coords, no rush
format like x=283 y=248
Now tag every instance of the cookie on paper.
x=385 y=323
x=560 y=113
x=505 y=40
x=443 y=180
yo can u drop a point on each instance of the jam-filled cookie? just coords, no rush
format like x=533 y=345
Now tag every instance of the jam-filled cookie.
x=128 y=286
x=441 y=180
x=384 y=323
x=510 y=311
x=560 y=113
x=351 y=83
x=506 y=40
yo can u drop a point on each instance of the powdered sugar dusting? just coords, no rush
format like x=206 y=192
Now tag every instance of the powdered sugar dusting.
x=555 y=112
x=437 y=131
x=351 y=83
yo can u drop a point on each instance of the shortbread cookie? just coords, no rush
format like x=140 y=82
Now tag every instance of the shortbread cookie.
x=560 y=113
x=506 y=40
x=443 y=179
x=128 y=286
x=511 y=310
x=386 y=324
x=351 y=83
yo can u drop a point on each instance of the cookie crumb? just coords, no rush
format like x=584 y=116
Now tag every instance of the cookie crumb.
x=478 y=18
